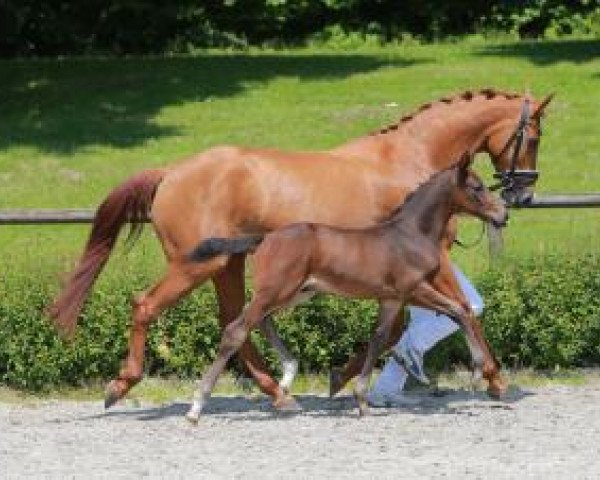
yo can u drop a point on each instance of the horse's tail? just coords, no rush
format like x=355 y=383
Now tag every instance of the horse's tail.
x=130 y=202
x=213 y=247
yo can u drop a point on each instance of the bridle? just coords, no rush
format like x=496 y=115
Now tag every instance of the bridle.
x=514 y=180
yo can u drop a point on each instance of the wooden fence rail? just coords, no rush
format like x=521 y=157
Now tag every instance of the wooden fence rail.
x=23 y=216
x=564 y=201
x=40 y=216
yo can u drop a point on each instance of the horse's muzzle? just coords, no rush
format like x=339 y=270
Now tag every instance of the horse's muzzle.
x=517 y=186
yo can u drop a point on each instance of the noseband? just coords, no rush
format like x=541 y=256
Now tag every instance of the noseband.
x=514 y=180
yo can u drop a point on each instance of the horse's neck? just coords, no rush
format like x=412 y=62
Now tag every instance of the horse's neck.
x=435 y=138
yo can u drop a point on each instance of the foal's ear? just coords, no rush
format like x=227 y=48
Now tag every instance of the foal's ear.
x=463 y=166
x=543 y=104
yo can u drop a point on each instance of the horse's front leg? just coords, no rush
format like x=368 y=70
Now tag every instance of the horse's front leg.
x=229 y=285
x=388 y=311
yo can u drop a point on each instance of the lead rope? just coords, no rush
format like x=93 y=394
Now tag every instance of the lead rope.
x=477 y=241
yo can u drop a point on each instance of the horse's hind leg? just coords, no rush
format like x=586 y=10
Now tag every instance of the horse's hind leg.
x=229 y=285
x=388 y=310
x=178 y=281
x=288 y=363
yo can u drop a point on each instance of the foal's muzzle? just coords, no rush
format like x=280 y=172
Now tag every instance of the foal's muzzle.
x=501 y=221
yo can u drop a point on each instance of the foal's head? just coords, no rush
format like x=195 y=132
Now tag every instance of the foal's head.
x=470 y=195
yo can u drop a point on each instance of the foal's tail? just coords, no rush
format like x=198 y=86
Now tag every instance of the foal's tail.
x=213 y=247
x=130 y=202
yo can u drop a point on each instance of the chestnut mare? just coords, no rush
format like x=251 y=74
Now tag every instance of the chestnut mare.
x=228 y=191
x=385 y=262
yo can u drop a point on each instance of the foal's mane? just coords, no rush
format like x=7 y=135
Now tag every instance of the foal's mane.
x=410 y=198
x=468 y=95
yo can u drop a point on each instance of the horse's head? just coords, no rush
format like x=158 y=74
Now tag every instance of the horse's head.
x=513 y=145
x=470 y=195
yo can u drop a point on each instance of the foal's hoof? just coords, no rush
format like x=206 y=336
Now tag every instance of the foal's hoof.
x=113 y=394
x=287 y=404
x=335 y=382
x=363 y=404
x=363 y=408
x=192 y=417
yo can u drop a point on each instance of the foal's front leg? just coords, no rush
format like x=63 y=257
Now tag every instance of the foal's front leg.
x=388 y=310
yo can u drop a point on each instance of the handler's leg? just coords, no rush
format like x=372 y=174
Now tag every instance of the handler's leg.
x=425 y=330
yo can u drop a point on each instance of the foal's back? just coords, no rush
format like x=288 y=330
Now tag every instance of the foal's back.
x=376 y=262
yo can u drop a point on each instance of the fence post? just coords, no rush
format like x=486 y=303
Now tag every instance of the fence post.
x=495 y=240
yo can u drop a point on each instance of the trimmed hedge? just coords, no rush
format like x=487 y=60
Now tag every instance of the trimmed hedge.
x=541 y=313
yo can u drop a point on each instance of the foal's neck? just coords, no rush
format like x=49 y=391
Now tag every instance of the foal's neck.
x=428 y=210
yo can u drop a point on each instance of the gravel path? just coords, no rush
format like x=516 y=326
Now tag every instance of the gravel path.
x=539 y=433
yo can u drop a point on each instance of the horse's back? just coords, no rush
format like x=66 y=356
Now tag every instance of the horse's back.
x=228 y=191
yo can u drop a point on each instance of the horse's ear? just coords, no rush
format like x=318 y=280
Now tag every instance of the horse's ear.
x=540 y=109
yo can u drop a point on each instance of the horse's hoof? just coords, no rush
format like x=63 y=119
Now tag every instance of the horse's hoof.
x=335 y=382
x=287 y=404
x=192 y=418
x=497 y=388
x=497 y=392
x=112 y=395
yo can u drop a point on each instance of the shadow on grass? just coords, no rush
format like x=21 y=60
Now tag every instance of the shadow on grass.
x=63 y=105
x=547 y=52
x=454 y=402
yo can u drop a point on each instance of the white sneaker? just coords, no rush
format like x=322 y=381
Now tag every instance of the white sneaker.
x=391 y=400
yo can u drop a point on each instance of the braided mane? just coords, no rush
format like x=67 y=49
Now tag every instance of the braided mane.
x=467 y=95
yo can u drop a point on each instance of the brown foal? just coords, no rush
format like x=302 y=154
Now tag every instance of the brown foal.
x=386 y=262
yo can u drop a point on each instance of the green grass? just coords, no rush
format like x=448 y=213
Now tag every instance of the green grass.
x=73 y=128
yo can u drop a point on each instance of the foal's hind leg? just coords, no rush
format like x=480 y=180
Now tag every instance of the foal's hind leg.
x=229 y=285
x=388 y=310
x=339 y=377
x=178 y=281
x=234 y=336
